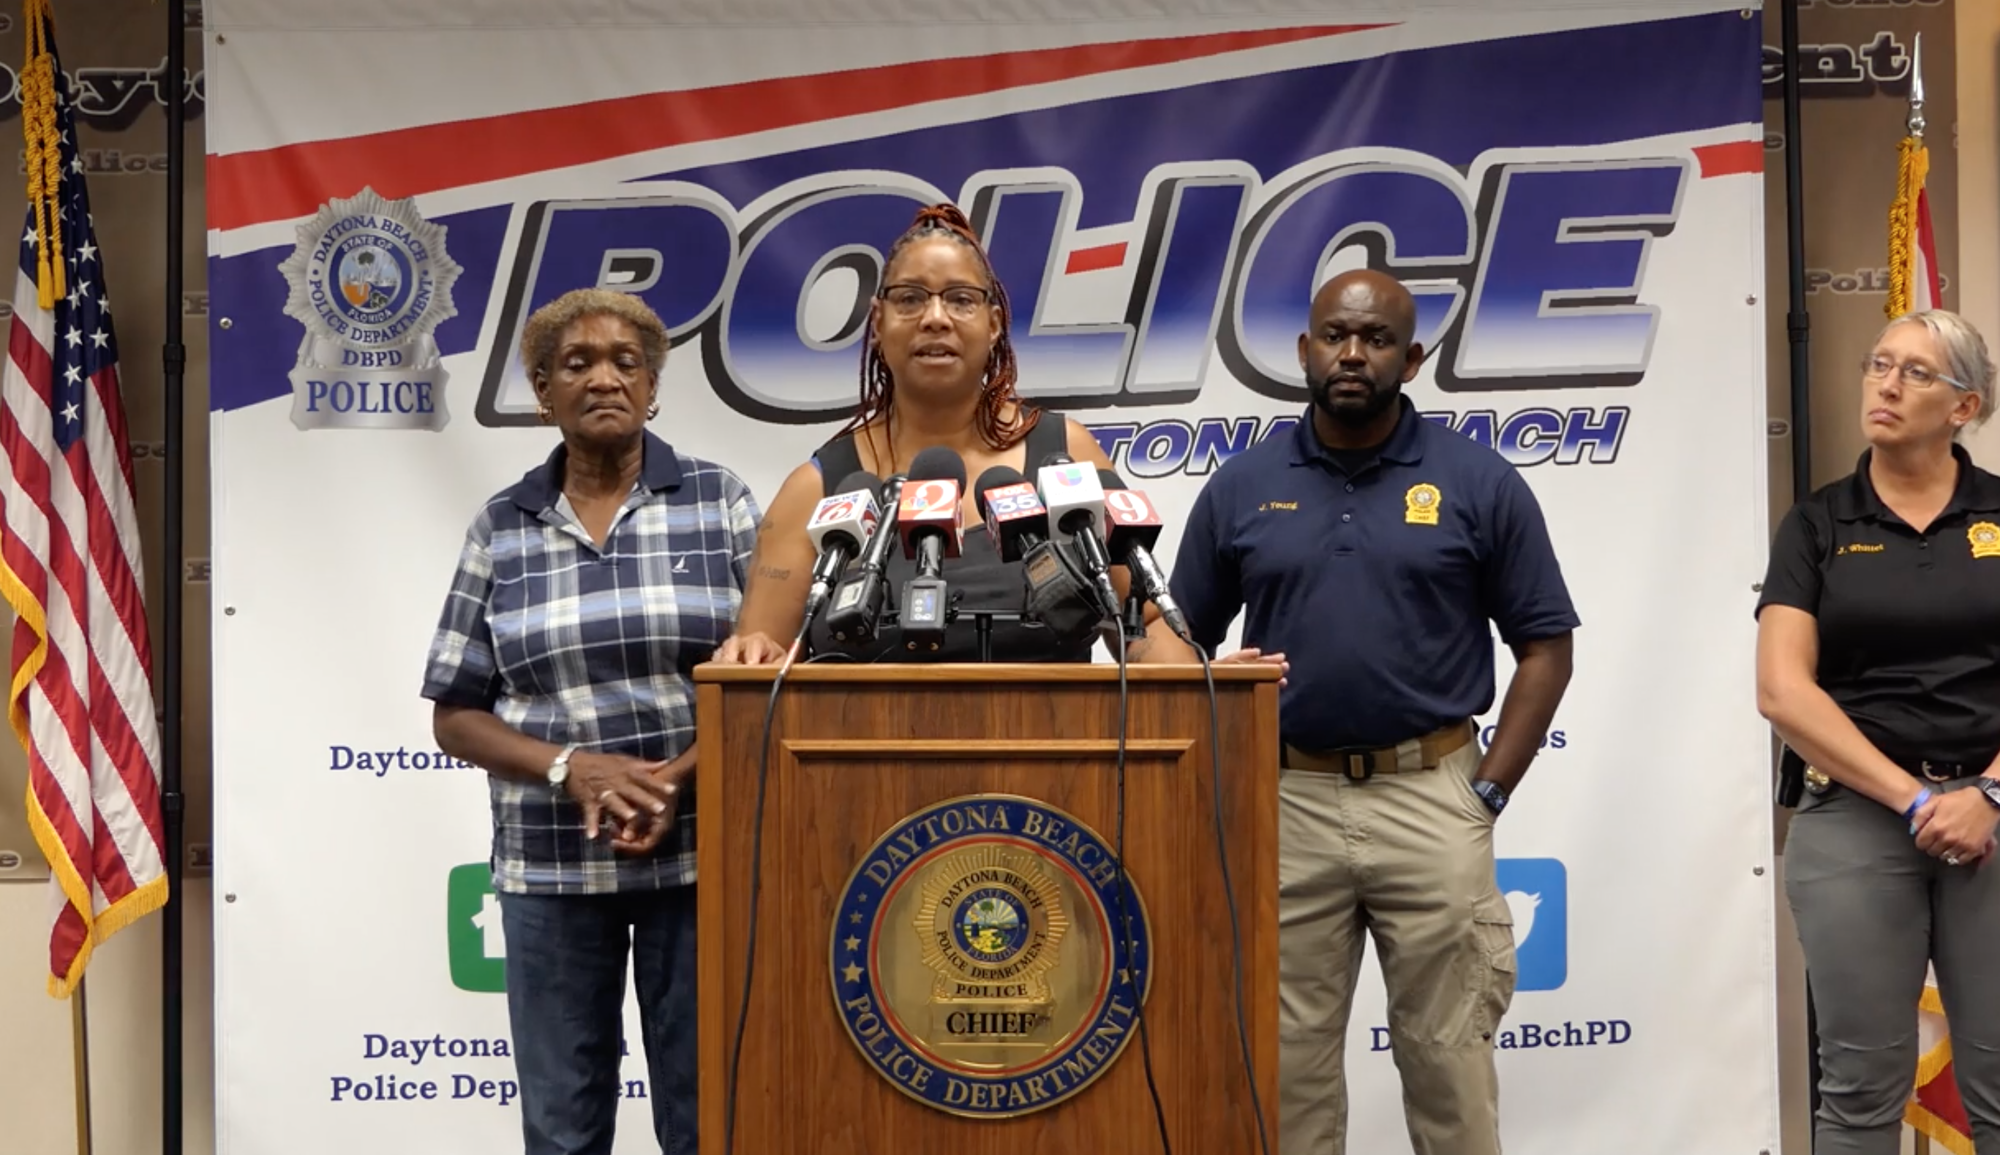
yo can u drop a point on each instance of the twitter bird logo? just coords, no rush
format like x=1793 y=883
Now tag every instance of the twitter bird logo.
x=1537 y=894
x=1522 y=905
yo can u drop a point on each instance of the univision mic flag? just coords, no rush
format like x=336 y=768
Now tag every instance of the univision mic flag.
x=81 y=696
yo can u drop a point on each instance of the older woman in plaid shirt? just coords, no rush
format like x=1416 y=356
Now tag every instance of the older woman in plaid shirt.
x=585 y=595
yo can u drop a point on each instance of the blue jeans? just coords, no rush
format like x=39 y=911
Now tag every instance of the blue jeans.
x=565 y=1001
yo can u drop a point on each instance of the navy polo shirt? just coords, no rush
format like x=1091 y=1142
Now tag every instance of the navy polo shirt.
x=1382 y=589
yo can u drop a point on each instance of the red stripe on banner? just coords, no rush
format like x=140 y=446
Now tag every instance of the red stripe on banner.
x=1732 y=159
x=1101 y=257
x=294 y=180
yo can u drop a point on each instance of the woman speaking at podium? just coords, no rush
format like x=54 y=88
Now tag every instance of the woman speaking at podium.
x=585 y=594
x=937 y=370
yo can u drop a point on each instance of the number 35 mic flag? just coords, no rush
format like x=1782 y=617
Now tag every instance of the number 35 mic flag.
x=81 y=694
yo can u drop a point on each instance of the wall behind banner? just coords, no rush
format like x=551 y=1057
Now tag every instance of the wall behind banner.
x=1854 y=90
x=114 y=51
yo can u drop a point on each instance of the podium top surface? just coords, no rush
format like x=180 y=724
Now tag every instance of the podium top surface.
x=977 y=672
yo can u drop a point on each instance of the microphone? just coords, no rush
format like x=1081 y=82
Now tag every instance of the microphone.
x=856 y=605
x=1016 y=520
x=840 y=525
x=932 y=528
x=1075 y=500
x=1135 y=529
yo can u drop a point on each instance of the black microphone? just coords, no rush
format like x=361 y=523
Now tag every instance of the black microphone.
x=1075 y=500
x=1015 y=518
x=856 y=606
x=1135 y=528
x=930 y=521
x=840 y=525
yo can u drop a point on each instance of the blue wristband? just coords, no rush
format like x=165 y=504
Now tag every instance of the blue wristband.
x=1923 y=796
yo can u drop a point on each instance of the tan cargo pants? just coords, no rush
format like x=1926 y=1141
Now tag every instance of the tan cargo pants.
x=1407 y=857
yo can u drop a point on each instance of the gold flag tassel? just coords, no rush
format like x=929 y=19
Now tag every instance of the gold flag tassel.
x=38 y=126
x=1913 y=163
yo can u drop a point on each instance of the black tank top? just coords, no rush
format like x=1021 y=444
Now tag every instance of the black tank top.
x=977 y=579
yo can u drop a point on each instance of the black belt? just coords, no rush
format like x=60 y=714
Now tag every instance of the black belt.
x=1936 y=771
x=1816 y=781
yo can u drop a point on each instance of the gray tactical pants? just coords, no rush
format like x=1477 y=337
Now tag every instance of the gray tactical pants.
x=1872 y=910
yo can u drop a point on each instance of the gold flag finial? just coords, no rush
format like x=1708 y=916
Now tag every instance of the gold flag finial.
x=38 y=126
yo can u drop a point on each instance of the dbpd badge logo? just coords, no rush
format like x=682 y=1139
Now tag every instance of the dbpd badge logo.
x=974 y=959
x=371 y=282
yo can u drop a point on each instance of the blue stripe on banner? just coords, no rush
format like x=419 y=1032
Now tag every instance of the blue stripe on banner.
x=1569 y=89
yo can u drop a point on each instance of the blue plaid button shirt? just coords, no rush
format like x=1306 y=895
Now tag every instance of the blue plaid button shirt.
x=569 y=643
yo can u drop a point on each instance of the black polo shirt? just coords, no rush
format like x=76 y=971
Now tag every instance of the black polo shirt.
x=1909 y=623
x=1381 y=588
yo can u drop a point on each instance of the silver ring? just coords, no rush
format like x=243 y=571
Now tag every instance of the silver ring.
x=1951 y=860
x=603 y=795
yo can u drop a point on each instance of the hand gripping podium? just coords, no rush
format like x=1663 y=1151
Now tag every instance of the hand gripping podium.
x=947 y=955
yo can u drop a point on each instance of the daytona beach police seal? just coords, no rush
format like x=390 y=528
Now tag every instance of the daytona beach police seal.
x=974 y=959
x=371 y=282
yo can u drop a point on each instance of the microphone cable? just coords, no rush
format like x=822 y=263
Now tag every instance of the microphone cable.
x=756 y=885
x=1229 y=887
x=1141 y=981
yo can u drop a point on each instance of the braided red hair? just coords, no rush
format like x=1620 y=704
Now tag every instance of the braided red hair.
x=878 y=385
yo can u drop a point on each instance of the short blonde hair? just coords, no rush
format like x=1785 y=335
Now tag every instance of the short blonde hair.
x=1965 y=356
x=546 y=327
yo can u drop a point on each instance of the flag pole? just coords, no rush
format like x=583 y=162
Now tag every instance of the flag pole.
x=1916 y=119
x=1798 y=323
x=79 y=1031
x=173 y=362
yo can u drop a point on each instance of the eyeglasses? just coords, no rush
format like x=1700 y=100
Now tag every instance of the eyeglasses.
x=1875 y=366
x=910 y=301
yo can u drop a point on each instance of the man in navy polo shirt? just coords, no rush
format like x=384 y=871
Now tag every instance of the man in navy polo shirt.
x=1376 y=551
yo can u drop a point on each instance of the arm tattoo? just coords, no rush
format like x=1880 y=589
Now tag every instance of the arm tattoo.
x=773 y=573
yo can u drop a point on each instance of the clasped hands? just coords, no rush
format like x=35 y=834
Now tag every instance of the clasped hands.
x=1957 y=826
x=632 y=799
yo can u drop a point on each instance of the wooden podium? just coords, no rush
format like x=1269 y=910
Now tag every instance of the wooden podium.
x=855 y=752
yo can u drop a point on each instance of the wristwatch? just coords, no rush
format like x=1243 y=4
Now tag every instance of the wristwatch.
x=1495 y=795
x=559 y=769
x=1990 y=787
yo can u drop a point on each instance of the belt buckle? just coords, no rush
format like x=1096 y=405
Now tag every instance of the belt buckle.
x=1360 y=766
x=1817 y=780
x=1941 y=774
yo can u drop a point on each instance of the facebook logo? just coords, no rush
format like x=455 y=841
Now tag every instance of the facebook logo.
x=1537 y=892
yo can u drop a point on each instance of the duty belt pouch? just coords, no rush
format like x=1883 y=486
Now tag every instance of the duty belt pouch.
x=1791 y=777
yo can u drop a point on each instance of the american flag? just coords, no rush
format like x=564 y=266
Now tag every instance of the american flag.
x=81 y=698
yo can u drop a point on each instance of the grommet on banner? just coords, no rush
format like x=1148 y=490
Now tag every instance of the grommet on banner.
x=225 y=323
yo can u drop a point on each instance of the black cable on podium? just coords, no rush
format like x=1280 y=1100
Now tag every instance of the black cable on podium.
x=1229 y=889
x=1139 y=979
x=756 y=886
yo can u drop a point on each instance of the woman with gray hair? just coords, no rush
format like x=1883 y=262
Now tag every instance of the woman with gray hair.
x=585 y=595
x=1878 y=663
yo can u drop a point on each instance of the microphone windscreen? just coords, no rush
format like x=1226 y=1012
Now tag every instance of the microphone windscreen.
x=993 y=479
x=1109 y=479
x=862 y=481
x=938 y=464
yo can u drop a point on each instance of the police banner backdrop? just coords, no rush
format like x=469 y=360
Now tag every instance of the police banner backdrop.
x=1574 y=193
